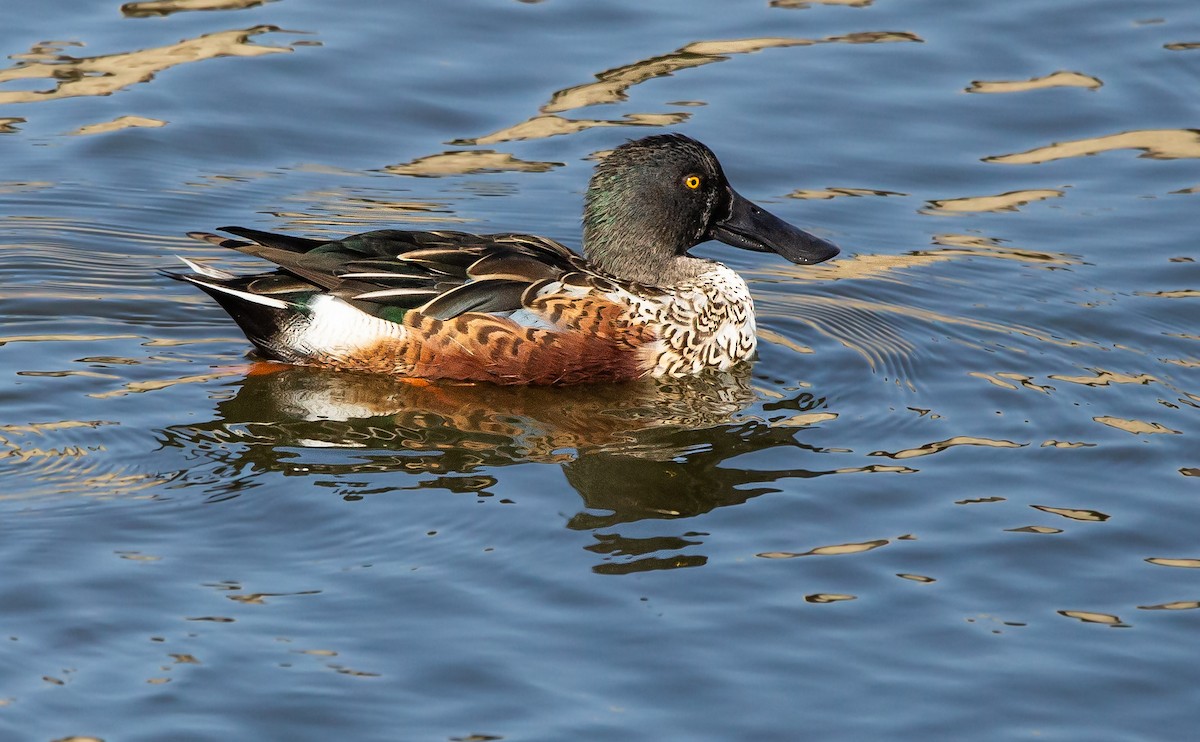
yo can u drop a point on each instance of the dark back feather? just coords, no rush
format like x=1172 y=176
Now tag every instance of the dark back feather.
x=445 y=272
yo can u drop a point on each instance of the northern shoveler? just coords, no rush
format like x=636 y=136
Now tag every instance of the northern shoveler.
x=521 y=309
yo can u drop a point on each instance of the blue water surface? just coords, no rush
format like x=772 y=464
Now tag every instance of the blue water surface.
x=954 y=498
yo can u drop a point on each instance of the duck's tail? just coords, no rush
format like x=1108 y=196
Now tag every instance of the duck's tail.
x=266 y=320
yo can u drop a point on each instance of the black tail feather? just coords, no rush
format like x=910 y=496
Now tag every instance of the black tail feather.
x=263 y=324
x=280 y=241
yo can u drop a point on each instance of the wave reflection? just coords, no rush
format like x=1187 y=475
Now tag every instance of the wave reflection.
x=1058 y=79
x=154 y=8
x=1155 y=144
x=106 y=74
x=612 y=86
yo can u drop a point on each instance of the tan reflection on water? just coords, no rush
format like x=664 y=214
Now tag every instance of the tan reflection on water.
x=1074 y=514
x=993 y=248
x=149 y=8
x=820 y=598
x=876 y=469
x=550 y=125
x=1058 y=79
x=771 y=336
x=8 y=125
x=106 y=74
x=1024 y=381
x=612 y=84
x=1009 y=201
x=68 y=467
x=1104 y=378
x=1043 y=530
x=1183 y=563
x=1156 y=144
x=42 y=428
x=139 y=387
x=1066 y=444
x=121 y=122
x=1179 y=294
x=831 y=192
x=1137 y=427
x=71 y=468
x=466 y=162
x=21 y=454
x=1182 y=45
x=939 y=446
x=1178 y=605
x=834 y=550
x=953 y=247
x=4 y=340
x=805 y=419
x=1107 y=619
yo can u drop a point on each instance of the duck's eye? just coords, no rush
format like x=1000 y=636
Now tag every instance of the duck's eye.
x=692 y=181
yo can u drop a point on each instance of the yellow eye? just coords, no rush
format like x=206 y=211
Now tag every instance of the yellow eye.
x=692 y=181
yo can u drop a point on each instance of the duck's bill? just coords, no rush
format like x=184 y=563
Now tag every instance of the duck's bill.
x=752 y=227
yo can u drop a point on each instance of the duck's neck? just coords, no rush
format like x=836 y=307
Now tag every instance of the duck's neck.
x=628 y=258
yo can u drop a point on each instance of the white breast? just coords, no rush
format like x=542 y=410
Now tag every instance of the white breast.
x=705 y=323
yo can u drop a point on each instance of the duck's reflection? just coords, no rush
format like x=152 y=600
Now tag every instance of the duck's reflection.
x=633 y=452
x=624 y=487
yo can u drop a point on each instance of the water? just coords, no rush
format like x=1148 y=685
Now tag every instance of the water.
x=955 y=498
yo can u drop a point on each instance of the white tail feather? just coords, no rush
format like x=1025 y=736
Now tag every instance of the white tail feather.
x=206 y=271
x=266 y=301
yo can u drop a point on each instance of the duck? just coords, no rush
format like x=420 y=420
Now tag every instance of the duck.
x=511 y=308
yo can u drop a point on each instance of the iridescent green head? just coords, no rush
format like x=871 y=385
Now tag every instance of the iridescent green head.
x=653 y=199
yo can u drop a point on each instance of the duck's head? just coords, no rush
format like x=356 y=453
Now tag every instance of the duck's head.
x=653 y=199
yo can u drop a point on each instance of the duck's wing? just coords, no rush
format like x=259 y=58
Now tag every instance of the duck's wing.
x=389 y=272
x=503 y=308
